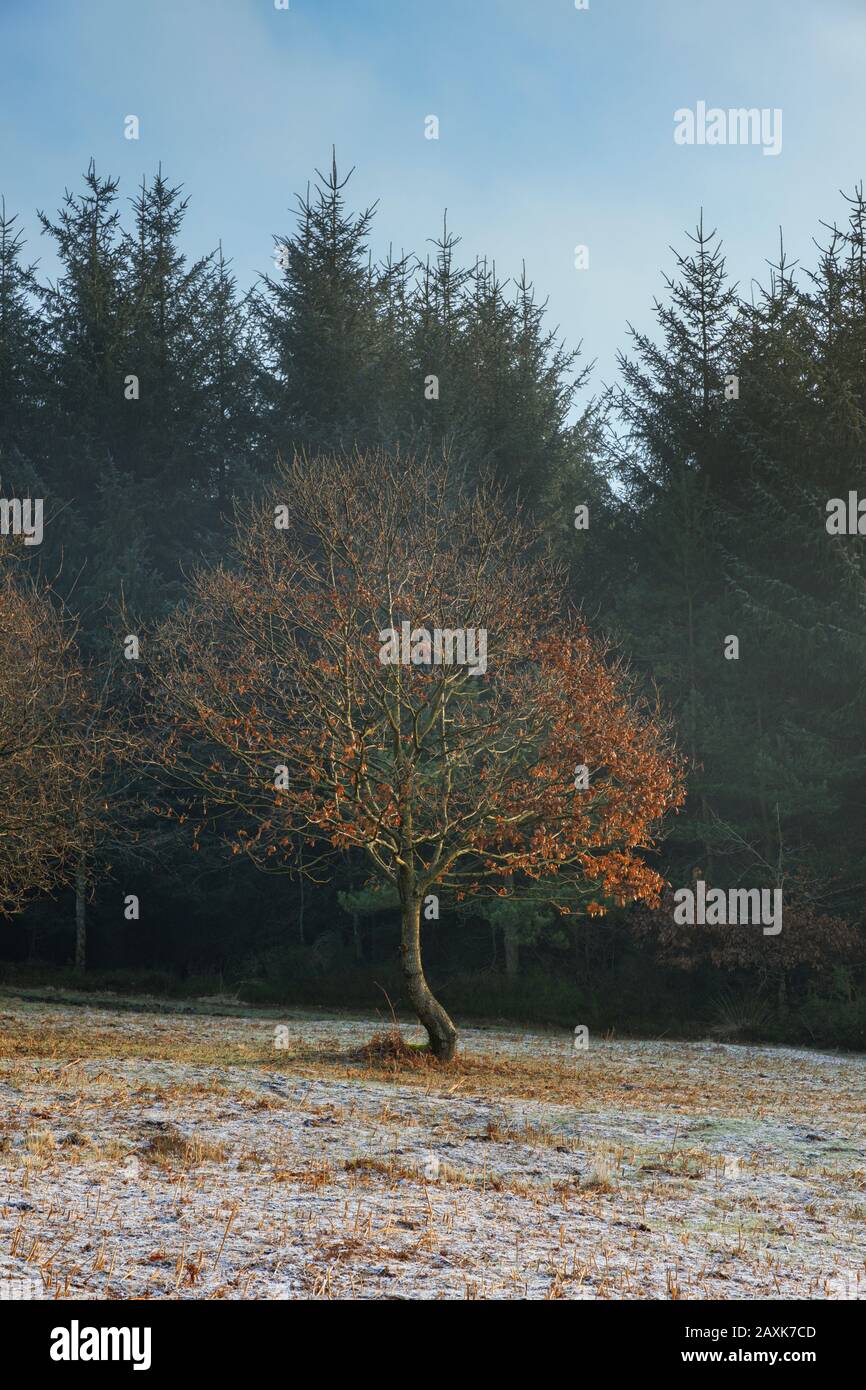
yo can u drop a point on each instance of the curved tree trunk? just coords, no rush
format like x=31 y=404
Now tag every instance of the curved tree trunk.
x=440 y=1029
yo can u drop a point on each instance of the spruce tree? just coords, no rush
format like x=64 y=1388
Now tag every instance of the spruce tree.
x=802 y=591
x=21 y=363
x=320 y=328
x=669 y=447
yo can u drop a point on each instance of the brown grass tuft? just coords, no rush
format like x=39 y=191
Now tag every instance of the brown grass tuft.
x=390 y=1048
x=172 y=1147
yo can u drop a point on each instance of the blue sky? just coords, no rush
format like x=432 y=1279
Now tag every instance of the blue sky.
x=556 y=126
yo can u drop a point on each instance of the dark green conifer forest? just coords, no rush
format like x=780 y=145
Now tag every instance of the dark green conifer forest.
x=145 y=395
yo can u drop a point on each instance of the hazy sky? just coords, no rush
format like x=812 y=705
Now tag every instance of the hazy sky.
x=556 y=126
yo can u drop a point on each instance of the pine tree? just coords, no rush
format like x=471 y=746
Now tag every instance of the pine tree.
x=167 y=351
x=802 y=592
x=21 y=363
x=231 y=428
x=320 y=327
x=669 y=449
x=86 y=318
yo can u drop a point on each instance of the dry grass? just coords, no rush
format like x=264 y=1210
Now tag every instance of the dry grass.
x=170 y=1149
x=601 y=1176
x=536 y=1136
x=184 y=1157
x=389 y=1050
x=591 y=1080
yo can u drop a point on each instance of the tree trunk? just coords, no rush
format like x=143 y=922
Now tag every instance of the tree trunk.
x=80 y=914
x=440 y=1029
x=510 y=936
x=301 y=902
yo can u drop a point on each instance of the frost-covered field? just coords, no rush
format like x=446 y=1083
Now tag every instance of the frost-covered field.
x=172 y=1155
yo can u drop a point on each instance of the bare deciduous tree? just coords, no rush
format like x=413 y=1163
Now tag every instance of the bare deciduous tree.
x=50 y=751
x=290 y=702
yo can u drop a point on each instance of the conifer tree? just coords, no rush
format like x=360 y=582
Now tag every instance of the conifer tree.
x=801 y=590
x=21 y=361
x=669 y=449
x=320 y=326
x=231 y=428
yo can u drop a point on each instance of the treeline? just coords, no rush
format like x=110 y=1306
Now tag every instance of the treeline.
x=142 y=394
